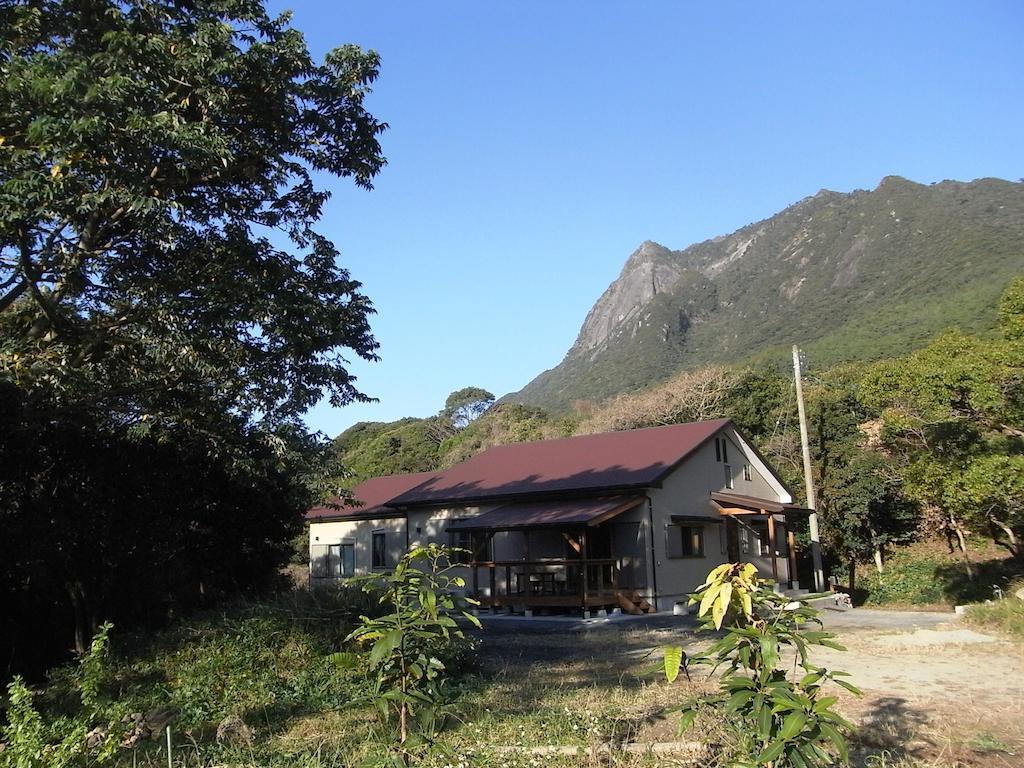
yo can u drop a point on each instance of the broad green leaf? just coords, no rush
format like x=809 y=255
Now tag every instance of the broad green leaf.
x=686 y=720
x=673 y=662
x=771 y=752
x=848 y=686
x=769 y=651
x=792 y=725
x=833 y=735
x=385 y=645
x=737 y=700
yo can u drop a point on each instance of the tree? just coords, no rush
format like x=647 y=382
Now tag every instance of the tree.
x=158 y=203
x=461 y=408
x=464 y=406
x=168 y=309
x=953 y=413
x=689 y=396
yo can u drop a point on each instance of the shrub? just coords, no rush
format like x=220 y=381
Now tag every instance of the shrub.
x=774 y=720
x=1005 y=616
x=89 y=736
x=407 y=643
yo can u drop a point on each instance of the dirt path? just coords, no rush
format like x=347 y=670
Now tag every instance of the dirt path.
x=934 y=690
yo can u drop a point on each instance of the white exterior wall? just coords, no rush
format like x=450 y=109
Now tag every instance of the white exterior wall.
x=360 y=533
x=687 y=492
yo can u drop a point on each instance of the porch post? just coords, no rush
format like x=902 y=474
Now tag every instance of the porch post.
x=772 y=549
x=583 y=563
x=526 y=564
x=794 y=581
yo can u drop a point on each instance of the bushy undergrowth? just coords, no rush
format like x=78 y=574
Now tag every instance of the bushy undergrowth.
x=926 y=574
x=231 y=683
x=1005 y=616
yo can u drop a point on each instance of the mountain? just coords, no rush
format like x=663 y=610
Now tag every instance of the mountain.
x=848 y=276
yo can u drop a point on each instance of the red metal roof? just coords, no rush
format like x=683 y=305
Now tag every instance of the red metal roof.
x=373 y=495
x=613 y=460
x=532 y=514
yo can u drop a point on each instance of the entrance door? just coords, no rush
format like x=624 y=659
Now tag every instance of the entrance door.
x=732 y=540
x=629 y=549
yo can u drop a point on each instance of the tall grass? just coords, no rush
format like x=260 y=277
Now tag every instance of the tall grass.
x=1005 y=616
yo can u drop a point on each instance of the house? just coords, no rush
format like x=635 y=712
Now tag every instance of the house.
x=633 y=520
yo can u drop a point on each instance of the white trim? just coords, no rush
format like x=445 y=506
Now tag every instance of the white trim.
x=773 y=480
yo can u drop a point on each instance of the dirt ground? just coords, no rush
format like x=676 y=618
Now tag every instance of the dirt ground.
x=935 y=693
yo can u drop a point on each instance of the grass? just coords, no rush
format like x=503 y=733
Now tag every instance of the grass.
x=926 y=576
x=1004 y=616
x=263 y=664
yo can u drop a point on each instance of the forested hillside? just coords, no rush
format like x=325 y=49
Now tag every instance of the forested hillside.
x=855 y=276
x=920 y=446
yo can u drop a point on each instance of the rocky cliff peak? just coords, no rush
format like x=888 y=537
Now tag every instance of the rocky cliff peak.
x=650 y=269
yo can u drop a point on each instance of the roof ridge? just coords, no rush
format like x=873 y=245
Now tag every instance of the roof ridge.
x=593 y=462
x=723 y=420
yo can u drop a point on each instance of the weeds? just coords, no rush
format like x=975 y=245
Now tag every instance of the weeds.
x=1005 y=616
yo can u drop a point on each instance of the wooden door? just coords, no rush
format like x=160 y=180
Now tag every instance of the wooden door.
x=732 y=540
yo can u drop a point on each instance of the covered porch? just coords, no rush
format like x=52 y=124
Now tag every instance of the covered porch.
x=584 y=554
x=762 y=532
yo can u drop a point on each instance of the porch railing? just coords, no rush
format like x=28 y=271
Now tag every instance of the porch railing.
x=554 y=582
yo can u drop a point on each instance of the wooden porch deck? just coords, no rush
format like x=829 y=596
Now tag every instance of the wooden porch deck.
x=552 y=583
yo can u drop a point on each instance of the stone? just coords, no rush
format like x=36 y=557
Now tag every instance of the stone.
x=233 y=730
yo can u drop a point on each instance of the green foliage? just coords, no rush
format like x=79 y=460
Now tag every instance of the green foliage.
x=862 y=504
x=757 y=402
x=147 y=149
x=260 y=661
x=465 y=405
x=1011 y=311
x=776 y=720
x=407 y=645
x=839 y=274
x=906 y=581
x=99 y=525
x=1005 y=616
x=168 y=309
x=371 y=450
x=63 y=741
x=953 y=414
x=503 y=424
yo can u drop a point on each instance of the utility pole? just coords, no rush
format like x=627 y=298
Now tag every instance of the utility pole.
x=812 y=501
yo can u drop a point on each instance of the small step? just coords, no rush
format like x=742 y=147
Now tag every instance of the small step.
x=632 y=603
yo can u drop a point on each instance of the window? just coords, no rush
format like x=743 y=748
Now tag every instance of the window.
x=728 y=477
x=754 y=539
x=379 y=551
x=341 y=560
x=721 y=449
x=461 y=540
x=746 y=472
x=685 y=541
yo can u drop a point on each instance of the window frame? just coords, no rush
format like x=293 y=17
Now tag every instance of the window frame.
x=730 y=483
x=747 y=476
x=383 y=564
x=722 y=450
x=477 y=543
x=336 y=559
x=686 y=535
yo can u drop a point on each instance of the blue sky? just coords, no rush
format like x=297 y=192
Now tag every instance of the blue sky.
x=534 y=145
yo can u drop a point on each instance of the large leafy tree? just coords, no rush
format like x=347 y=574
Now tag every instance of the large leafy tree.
x=864 y=510
x=159 y=163
x=954 y=414
x=168 y=309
